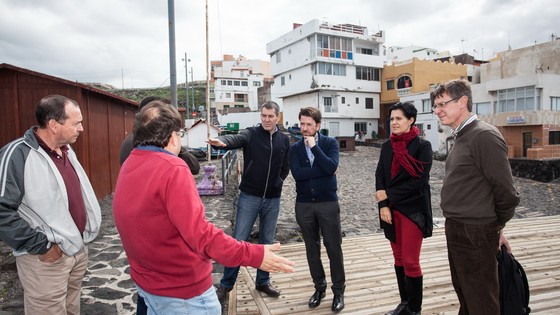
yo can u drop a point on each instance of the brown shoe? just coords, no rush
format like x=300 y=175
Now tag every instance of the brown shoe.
x=268 y=289
x=222 y=292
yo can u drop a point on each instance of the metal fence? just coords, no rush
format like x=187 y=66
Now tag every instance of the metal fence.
x=229 y=161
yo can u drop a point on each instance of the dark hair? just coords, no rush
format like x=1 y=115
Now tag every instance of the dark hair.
x=407 y=108
x=455 y=89
x=271 y=105
x=52 y=107
x=146 y=100
x=154 y=123
x=312 y=112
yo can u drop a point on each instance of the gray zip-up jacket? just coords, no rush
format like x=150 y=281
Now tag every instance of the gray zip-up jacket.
x=34 y=203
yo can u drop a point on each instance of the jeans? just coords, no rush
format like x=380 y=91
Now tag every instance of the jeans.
x=248 y=208
x=205 y=304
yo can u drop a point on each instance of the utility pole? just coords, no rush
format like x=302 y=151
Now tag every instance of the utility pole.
x=172 y=67
x=207 y=88
x=187 y=84
x=192 y=89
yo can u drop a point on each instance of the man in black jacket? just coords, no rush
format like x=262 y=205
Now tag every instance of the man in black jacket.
x=266 y=165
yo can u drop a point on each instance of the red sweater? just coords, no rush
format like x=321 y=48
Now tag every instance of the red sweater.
x=164 y=231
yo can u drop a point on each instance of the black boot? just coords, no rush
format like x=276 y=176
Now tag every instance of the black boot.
x=401 y=308
x=414 y=287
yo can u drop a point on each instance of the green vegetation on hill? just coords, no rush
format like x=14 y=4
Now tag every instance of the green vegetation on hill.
x=164 y=92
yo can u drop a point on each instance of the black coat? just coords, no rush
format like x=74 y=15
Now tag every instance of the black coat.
x=407 y=194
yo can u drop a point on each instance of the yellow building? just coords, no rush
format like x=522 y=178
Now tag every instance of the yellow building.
x=413 y=77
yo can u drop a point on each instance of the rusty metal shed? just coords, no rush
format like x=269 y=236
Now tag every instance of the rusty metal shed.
x=107 y=119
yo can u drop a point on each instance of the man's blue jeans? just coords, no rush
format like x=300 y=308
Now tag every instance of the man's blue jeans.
x=205 y=304
x=248 y=208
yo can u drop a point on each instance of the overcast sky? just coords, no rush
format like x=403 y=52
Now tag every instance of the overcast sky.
x=126 y=41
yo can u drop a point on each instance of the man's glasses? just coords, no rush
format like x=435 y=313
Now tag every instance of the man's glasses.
x=442 y=104
x=181 y=132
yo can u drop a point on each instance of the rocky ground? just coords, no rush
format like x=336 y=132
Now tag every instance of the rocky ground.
x=107 y=288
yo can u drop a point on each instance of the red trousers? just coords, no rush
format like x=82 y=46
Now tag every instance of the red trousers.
x=406 y=250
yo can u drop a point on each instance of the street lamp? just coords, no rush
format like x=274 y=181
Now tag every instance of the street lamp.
x=186 y=60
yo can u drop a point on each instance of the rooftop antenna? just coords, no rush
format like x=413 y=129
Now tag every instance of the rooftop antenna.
x=463 y=40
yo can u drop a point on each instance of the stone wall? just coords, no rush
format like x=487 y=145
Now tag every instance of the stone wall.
x=539 y=170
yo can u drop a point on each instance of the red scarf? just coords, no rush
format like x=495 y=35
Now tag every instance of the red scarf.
x=401 y=156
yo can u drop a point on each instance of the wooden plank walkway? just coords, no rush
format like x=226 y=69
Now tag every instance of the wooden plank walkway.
x=371 y=286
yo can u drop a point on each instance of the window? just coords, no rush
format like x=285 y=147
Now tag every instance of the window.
x=343 y=100
x=228 y=95
x=357 y=100
x=368 y=51
x=282 y=81
x=390 y=84
x=404 y=82
x=244 y=83
x=334 y=47
x=518 y=99
x=360 y=126
x=484 y=108
x=421 y=129
x=426 y=106
x=229 y=82
x=278 y=57
x=369 y=103
x=330 y=69
x=256 y=83
x=365 y=51
x=237 y=83
x=367 y=73
x=329 y=107
x=555 y=103
x=554 y=137
x=223 y=82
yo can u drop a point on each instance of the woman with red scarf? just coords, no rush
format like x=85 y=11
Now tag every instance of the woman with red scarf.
x=403 y=196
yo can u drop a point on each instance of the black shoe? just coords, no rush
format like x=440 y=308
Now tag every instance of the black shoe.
x=409 y=312
x=337 y=303
x=222 y=292
x=316 y=298
x=402 y=308
x=269 y=290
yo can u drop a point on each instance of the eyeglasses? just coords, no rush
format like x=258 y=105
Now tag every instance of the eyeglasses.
x=442 y=104
x=181 y=132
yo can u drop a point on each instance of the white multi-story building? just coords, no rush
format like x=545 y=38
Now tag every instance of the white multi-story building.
x=236 y=82
x=399 y=53
x=335 y=67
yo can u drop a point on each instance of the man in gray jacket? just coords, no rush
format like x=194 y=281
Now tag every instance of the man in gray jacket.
x=48 y=209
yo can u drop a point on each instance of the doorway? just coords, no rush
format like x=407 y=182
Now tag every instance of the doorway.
x=527 y=142
x=334 y=129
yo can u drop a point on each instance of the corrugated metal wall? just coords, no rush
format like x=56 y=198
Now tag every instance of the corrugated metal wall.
x=107 y=119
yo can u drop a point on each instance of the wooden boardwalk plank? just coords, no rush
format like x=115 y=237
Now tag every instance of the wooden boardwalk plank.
x=371 y=286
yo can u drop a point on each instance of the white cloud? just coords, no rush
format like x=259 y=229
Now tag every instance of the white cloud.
x=126 y=41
